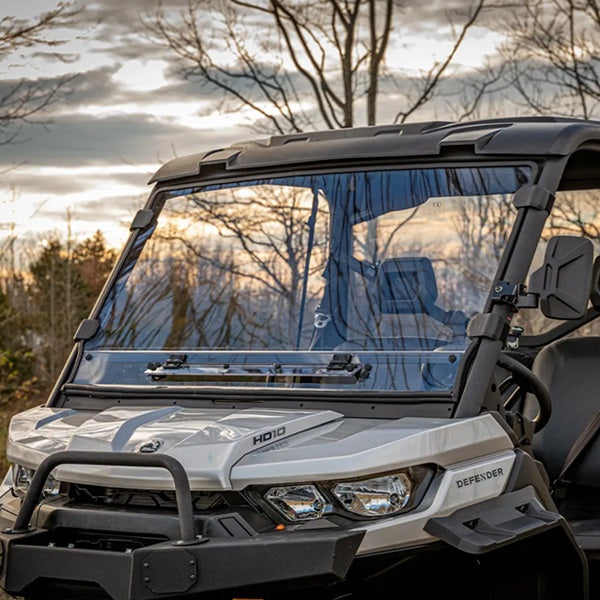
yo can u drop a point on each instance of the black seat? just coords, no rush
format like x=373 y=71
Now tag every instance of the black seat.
x=402 y=313
x=570 y=368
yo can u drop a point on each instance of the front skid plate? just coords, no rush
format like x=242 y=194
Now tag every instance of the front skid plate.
x=167 y=570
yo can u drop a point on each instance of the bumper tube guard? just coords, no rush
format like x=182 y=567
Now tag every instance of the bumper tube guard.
x=180 y=479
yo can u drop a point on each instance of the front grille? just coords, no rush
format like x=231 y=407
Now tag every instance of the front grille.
x=161 y=499
x=217 y=514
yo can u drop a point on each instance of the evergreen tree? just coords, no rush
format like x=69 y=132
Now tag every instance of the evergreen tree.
x=63 y=289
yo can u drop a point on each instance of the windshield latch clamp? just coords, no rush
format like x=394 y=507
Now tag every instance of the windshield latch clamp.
x=143 y=218
x=87 y=330
x=533 y=196
x=341 y=362
x=175 y=361
x=507 y=293
x=515 y=295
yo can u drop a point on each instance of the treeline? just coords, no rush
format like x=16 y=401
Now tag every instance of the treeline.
x=41 y=306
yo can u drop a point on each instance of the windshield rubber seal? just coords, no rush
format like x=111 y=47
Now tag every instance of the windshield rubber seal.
x=230 y=392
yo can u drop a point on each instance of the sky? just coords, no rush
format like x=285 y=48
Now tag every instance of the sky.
x=130 y=109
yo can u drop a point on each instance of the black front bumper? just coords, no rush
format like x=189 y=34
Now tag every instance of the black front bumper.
x=57 y=554
x=171 y=570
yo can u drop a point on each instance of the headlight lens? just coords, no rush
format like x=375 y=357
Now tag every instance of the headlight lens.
x=51 y=487
x=21 y=481
x=379 y=496
x=298 y=502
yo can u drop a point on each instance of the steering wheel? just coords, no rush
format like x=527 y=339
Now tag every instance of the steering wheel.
x=529 y=382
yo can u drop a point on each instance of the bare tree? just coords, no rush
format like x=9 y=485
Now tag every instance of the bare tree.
x=553 y=56
x=267 y=235
x=575 y=213
x=226 y=268
x=477 y=95
x=28 y=99
x=310 y=63
x=483 y=226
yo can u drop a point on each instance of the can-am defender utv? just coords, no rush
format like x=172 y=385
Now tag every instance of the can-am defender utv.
x=325 y=364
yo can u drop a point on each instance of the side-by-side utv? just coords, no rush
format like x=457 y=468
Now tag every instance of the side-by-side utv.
x=344 y=364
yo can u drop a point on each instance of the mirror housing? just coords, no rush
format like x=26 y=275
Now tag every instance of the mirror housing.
x=563 y=282
x=595 y=291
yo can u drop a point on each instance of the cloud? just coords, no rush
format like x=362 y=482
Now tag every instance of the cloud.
x=61 y=184
x=122 y=15
x=61 y=57
x=106 y=124
x=80 y=140
x=111 y=209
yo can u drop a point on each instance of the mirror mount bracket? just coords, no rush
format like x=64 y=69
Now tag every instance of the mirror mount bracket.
x=513 y=294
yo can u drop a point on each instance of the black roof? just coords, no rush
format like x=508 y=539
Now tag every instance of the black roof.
x=525 y=136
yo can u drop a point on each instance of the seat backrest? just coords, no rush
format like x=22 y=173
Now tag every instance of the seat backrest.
x=570 y=368
x=406 y=285
x=397 y=310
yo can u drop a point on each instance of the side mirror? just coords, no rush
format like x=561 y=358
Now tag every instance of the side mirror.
x=563 y=282
x=595 y=291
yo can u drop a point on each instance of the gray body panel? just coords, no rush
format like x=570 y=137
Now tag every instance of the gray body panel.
x=224 y=449
x=208 y=442
x=230 y=449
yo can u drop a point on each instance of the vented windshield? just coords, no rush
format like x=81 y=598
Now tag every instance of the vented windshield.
x=364 y=279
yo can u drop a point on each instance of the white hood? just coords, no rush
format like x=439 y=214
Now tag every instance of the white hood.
x=225 y=449
x=208 y=442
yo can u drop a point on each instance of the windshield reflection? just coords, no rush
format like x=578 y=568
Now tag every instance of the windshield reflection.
x=351 y=263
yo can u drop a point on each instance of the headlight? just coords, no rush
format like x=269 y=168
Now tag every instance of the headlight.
x=51 y=487
x=379 y=496
x=298 y=502
x=21 y=481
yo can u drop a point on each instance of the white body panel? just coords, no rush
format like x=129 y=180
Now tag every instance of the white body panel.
x=208 y=442
x=231 y=449
x=353 y=448
x=407 y=530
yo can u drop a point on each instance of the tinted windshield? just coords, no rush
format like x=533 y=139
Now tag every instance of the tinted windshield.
x=262 y=282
